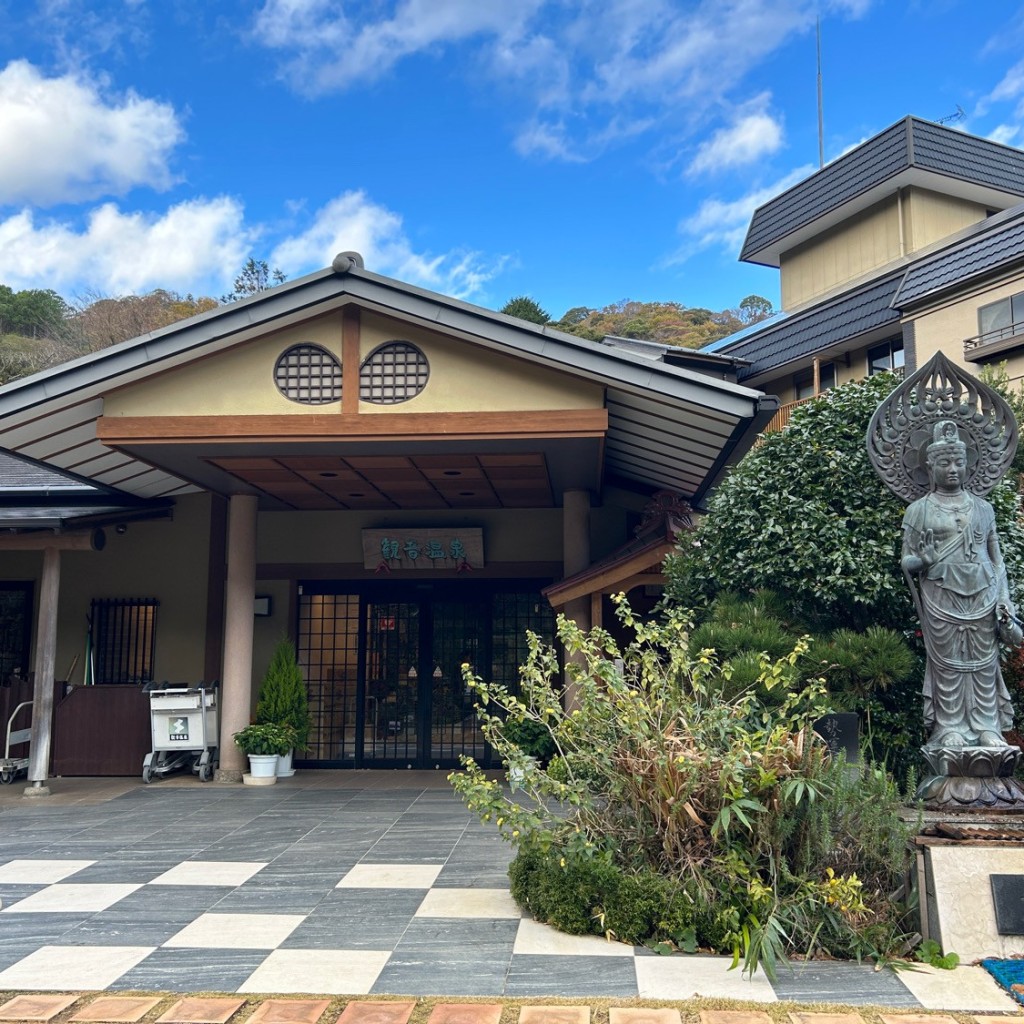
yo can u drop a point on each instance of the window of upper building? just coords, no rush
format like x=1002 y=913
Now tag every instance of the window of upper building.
x=308 y=374
x=887 y=356
x=1002 y=319
x=393 y=372
x=803 y=382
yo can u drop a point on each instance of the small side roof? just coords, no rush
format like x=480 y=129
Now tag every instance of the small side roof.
x=910 y=152
x=801 y=335
x=994 y=244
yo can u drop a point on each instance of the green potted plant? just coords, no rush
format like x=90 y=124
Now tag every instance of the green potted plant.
x=283 y=699
x=264 y=742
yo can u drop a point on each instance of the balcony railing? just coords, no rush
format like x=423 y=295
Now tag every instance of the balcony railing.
x=990 y=337
x=781 y=418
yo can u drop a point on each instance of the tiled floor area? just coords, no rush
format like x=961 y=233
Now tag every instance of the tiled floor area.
x=329 y=884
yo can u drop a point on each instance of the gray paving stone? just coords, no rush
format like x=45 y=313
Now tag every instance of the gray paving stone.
x=191 y=970
x=534 y=975
x=855 y=984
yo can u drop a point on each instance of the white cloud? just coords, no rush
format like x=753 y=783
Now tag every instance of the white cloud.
x=62 y=141
x=333 y=48
x=750 y=137
x=1010 y=87
x=194 y=246
x=1004 y=133
x=352 y=221
x=587 y=70
x=723 y=224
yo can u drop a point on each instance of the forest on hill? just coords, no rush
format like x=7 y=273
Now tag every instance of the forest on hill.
x=40 y=329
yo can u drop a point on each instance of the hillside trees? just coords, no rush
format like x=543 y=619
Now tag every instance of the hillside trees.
x=525 y=308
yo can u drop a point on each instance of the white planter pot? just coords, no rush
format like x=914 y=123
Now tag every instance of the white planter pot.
x=284 y=766
x=263 y=766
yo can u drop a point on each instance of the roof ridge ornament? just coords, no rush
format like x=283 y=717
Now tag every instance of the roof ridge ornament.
x=346 y=261
x=902 y=427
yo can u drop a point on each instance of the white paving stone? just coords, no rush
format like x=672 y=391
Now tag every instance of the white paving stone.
x=209 y=872
x=964 y=988
x=682 y=977
x=488 y=903
x=237 y=931
x=40 y=872
x=534 y=937
x=330 y=971
x=69 y=897
x=58 y=968
x=391 y=876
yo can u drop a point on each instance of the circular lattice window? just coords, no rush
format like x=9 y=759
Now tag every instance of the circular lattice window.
x=394 y=372
x=308 y=374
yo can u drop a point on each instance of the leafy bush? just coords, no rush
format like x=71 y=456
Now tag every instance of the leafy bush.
x=265 y=738
x=672 y=813
x=804 y=514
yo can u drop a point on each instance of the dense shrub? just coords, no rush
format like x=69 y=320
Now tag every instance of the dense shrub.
x=673 y=812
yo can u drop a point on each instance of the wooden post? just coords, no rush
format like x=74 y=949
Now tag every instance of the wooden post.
x=576 y=558
x=42 y=691
x=236 y=676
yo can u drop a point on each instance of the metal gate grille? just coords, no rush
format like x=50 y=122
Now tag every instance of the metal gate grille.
x=123 y=639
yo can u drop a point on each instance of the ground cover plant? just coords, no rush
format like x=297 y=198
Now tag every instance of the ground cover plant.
x=683 y=814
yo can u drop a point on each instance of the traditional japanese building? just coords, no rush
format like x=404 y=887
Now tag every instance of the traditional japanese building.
x=399 y=481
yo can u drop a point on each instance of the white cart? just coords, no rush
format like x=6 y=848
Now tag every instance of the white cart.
x=10 y=766
x=184 y=725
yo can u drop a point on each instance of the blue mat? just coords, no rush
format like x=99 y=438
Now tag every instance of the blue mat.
x=1007 y=973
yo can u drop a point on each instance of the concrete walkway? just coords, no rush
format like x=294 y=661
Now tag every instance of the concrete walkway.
x=334 y=884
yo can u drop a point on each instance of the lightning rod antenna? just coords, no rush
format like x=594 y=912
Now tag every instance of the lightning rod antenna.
x=821 y=116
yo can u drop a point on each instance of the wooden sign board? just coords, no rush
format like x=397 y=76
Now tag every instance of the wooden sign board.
x=435 y=548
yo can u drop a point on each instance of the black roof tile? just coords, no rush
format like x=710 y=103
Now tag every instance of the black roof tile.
x=908 y=143
x=861 y=310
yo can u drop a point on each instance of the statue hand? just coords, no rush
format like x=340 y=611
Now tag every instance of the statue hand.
x=926 y=549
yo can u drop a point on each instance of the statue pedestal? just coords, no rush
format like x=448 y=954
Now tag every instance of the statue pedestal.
x=967 y=779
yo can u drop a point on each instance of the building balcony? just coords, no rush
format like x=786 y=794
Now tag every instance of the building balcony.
x=781 y=418
x=992 y=343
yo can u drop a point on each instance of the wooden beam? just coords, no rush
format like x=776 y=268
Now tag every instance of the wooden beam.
x=623 y=575
x=133 y=431
x=351 y=333
x=93 y=540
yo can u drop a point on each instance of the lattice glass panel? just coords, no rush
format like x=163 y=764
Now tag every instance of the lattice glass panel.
x=392 y=373
x=308 y=374
x=328 y=651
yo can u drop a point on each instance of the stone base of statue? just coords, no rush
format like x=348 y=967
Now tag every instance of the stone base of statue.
x=971 y=779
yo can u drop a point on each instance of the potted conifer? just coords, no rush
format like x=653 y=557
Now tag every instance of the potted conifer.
x=283 y=700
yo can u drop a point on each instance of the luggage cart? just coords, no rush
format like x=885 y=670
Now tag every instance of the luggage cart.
x=184 y=726
x=10 y=766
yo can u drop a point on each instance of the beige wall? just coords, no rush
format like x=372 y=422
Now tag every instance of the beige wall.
x=867 y=241
x=237 y=382
x=945 y=327
x=161 y=559
x=467 y=378
x=870 y=240
x=463 y=378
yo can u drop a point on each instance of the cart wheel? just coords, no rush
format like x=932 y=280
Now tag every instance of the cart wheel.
x=6 y=777
x=205 y=772
x=147 y=774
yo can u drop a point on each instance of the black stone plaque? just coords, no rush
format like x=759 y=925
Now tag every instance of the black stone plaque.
x=841 y=731
x=1008 y=900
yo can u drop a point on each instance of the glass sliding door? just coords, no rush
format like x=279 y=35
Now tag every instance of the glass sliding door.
x=383 y=665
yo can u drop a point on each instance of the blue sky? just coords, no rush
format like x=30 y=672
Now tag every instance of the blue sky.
x=578 y=152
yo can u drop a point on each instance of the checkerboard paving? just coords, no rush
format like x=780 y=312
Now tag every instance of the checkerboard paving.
x=336 y=892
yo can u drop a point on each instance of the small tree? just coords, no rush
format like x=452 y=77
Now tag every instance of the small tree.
x=254 y=277
x=283 y=698
x=525 y=308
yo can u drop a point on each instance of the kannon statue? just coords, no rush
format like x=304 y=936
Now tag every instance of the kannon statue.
x=943 y=439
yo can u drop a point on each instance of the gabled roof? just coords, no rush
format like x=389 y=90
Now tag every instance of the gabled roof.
x=800 y=335
x=910 y=152
x=669 y=427
x=993 y=244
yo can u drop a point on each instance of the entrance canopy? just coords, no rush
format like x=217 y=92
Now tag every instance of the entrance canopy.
x=516 y=413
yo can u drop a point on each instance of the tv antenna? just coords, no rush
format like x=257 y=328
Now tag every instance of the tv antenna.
x=955 y=118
